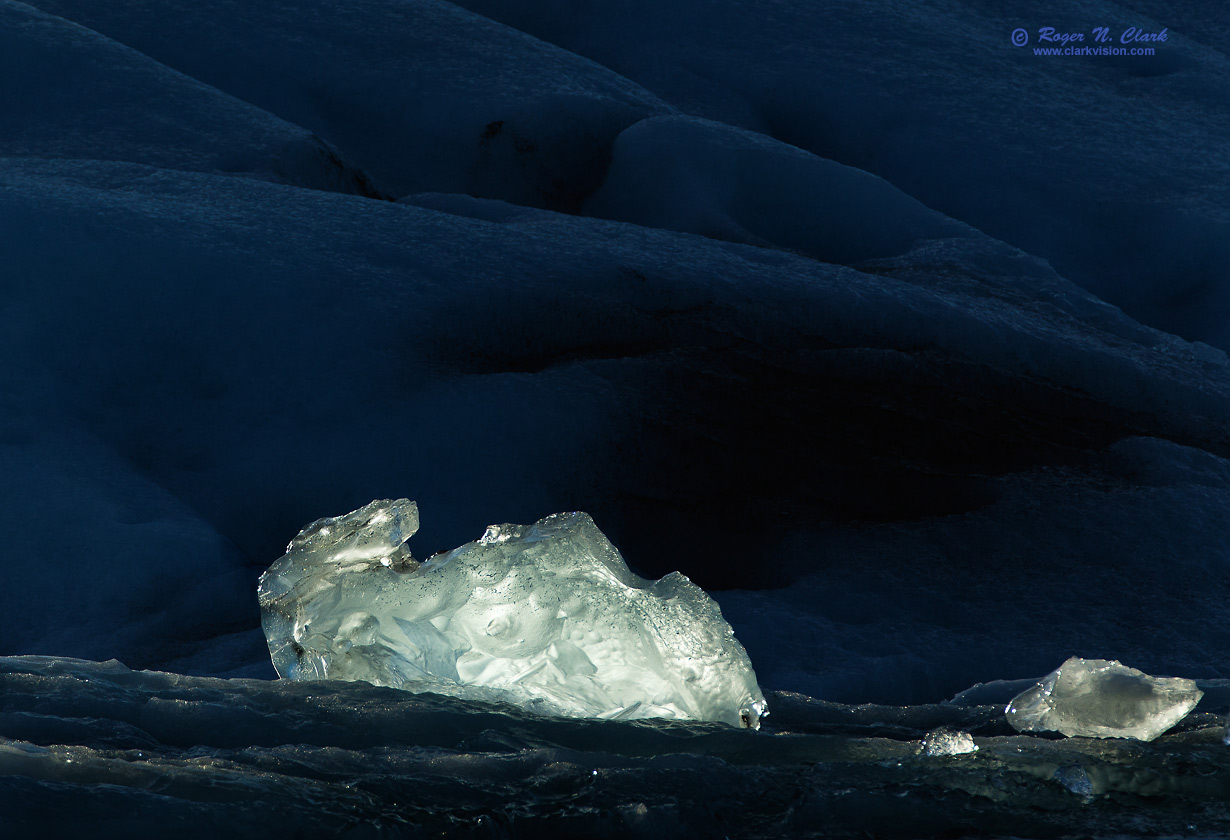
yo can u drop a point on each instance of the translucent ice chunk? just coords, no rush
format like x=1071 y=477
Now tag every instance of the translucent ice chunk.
x=1096 y=698
x=948 y=742
x=547 y=616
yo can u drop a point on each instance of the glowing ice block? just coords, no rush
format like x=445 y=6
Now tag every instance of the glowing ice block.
x=1097 y=698
x=547 y=616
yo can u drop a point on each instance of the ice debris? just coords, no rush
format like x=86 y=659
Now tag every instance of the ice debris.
x=948 y=742
x=1097 y=698
x=1076 y=779
x=547 y=616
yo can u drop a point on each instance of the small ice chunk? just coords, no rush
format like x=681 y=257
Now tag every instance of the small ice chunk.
x=547 y=616
x=1097 y=698
x=1076 y=779
x=948 y=742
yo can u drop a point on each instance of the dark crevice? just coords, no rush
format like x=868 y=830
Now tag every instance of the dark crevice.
x=725 y=444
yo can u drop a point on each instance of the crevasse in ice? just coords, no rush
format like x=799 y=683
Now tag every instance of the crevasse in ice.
x=547 y=616
x=1097 y=698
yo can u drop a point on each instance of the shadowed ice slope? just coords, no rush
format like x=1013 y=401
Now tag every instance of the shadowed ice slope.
x=270 y=355
x=423 y=95
x=1114 y=168
x=681 y=173
x=72 y=93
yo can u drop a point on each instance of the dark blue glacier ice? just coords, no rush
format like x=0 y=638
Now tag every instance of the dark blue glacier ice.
x=851 y=313
x=686 y=174
x=437 y=99
x=1111 y=168
x=75 y=93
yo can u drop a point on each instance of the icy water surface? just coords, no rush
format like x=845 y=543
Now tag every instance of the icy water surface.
x=98 y=749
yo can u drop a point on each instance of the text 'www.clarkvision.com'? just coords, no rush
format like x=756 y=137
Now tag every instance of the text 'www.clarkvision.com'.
x=1099 y=40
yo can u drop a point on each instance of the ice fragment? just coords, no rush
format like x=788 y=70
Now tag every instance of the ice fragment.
x=547 y=616
x=948 y=742
x=1076 y=779
x=1097 y=698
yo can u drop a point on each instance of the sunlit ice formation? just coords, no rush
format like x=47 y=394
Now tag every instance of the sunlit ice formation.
x=546 y=616
x=1097 y=698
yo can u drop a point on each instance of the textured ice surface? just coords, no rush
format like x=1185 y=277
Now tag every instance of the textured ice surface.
x=95 y=749
x=1096 y=698
x=491 y=111
x=546 y=616
x=1135 y=210
x=682 y=173
x=75 y=94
